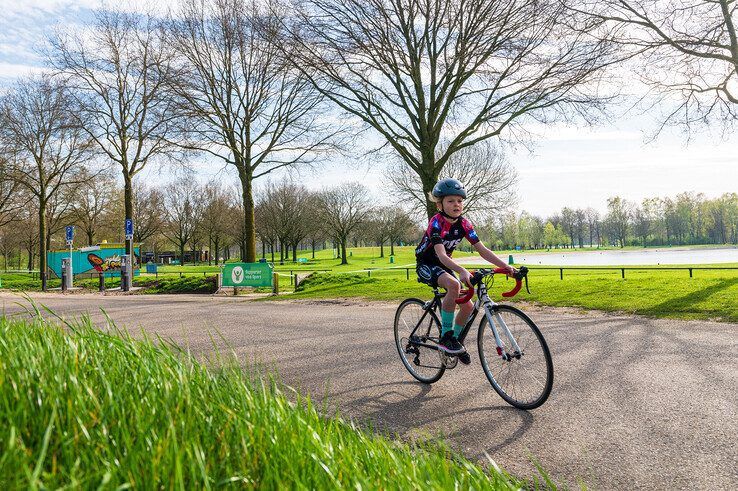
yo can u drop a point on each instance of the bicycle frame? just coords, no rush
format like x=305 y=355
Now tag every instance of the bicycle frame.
x=493 y=318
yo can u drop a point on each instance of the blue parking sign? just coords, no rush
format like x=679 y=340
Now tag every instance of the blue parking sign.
x=70 y=233
x=129 y=228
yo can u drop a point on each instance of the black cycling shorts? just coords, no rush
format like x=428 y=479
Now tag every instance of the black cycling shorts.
x=429 y=273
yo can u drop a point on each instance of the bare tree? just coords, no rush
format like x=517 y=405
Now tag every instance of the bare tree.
x=247 y=106
x=316 y=233
x=182 y=213
x=343 y=210
x=30 y=236
x=488 y=177
x=119 y=70
x=403 y=229
x=593 y=225
x=60 y=213
x=378 y=226
x=421 y=72
x=687 y=51
x=149 y=211
x=266 y=229
x=12 y=199
x=568 y=223
x=580 y=224
x=285 y=211
x=46 y=145
x=91 y=201
x=619 y=212
x=215 y=216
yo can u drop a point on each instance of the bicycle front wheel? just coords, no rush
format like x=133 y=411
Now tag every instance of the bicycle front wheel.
x=522 y=378
x=415 y=325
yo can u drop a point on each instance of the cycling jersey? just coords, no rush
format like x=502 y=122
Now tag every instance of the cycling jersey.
x=440 y=231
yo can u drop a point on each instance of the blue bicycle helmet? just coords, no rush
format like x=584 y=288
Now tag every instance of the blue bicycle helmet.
x=449 y=187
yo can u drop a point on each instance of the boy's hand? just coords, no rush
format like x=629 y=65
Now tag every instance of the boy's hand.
x=465 y=278
x=511 y=270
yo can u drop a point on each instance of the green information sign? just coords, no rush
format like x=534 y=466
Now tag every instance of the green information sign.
x=247 y=274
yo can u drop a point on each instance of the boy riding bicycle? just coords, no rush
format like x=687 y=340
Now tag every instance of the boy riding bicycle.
x=435 y=267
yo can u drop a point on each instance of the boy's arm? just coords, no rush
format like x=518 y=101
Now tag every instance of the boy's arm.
x=464 y=275
x=492 y=257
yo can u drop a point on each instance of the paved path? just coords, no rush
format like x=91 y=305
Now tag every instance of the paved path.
x=636 y=403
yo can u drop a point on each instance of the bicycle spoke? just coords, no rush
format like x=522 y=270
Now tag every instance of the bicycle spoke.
x=423 y=363
x=523 y=381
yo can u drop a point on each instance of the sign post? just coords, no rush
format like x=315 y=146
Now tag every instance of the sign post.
x=70 y=240
x=131 y=254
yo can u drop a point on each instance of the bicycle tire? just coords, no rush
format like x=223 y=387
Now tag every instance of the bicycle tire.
x=503 y=375
x=406 y=318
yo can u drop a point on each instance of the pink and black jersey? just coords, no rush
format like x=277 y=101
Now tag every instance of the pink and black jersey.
x=440 y=231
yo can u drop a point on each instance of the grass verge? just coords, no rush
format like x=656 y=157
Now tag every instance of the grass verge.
x=83 y=408
x=656 y=293
x=149 y=284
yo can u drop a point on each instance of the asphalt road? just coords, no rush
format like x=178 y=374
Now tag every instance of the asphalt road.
x=636 y=403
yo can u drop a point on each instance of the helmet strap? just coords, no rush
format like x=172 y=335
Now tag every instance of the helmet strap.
x=443 y=213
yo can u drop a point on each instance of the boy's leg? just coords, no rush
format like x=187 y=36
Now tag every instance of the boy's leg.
x=448 y=304
x=465 y=310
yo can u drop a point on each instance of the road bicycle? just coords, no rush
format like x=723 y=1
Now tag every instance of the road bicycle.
x=512 y=351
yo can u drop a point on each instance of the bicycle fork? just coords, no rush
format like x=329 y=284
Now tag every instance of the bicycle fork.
x=494 y=319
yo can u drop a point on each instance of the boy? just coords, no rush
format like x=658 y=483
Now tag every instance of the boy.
x=435 y=267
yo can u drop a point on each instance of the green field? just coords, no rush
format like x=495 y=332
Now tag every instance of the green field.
x=657 y=292
x=81 y=408
x=653 y=292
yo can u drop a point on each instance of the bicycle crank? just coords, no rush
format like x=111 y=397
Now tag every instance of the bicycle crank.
x=448 y=361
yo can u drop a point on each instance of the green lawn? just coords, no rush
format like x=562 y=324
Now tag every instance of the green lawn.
x=83 y=409
x=658 y=293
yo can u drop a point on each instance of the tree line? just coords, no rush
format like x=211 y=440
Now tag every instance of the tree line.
x=188 y=218
x=260 y=86
x=686 y=219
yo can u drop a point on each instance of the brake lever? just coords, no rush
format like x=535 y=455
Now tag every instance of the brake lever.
x=523 y=274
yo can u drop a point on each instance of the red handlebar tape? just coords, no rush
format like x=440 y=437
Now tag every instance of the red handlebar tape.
x=466 y=295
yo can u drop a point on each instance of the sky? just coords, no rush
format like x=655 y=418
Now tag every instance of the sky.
x=568 y=166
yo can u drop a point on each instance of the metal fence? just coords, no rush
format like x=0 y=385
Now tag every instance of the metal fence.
x=294 y=272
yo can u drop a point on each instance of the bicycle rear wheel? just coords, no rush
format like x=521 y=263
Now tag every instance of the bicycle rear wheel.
x=422 y=362
x=523 y=379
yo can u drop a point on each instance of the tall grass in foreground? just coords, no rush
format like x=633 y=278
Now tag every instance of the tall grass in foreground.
x=83 y=408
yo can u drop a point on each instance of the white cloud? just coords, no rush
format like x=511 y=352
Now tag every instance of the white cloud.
x=11 y=71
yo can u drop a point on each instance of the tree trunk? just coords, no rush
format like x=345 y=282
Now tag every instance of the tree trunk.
x=312 y=245
x=42 y=242
x=343 y=251
x=428 y=182
x=294 y=253
x=181 y=254
x=392 y=247
x=381 y=249
x=216 y=244
x=248 y=254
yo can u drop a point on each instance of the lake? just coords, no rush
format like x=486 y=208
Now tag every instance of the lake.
x=623 y=258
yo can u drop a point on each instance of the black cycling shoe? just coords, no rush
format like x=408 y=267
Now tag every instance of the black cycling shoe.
x=464 y=357
x=450 y=345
